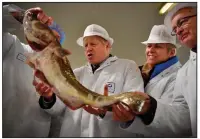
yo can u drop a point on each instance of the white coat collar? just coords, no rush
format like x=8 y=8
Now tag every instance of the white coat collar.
x=193 y=55
x=104 y=64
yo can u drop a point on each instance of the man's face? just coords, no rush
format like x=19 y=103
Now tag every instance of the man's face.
x=187 y=30
x=158 y=53
x=96 y=49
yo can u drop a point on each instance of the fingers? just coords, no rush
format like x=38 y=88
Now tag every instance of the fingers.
x=125 y=111
x=43 y=89
x=90 y=110
x=121 y=113
x=41 y=76
x=93 y=110
x=44 y=18
x=106 y=90
x=147 y=102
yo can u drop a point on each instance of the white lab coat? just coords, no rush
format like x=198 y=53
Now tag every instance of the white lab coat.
x=121 y=75
x=22 y=116
x=173 y=119
x=187 y=85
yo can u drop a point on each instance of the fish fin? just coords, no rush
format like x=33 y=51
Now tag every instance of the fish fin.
x=28 y=59
x=60 y=52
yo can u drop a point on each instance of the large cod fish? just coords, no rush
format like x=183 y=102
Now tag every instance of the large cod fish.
x=53 y=62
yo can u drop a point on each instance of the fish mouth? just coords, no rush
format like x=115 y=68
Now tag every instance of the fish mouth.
x=36 y=47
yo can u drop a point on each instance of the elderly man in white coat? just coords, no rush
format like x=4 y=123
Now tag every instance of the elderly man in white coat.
x=21 y=115
x=121 y=75
x=179 y=118
x=183 y=20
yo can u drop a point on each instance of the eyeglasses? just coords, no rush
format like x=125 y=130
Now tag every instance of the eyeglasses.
x=181 y=22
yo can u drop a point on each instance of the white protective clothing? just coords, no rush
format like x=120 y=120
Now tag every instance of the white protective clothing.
x=161 y=88
x=22 y=116
x=121 y=76
x=187 y=85
x=176 y=119
x=187 y=76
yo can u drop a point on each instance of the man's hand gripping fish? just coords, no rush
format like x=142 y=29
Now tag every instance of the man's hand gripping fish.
x=53 y=62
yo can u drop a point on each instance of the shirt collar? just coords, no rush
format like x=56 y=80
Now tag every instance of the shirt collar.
x=193 y=55
x=103 y=64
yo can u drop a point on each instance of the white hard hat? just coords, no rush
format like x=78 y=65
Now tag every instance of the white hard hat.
x=177 y=7
x=160 y=34
x=95 y=30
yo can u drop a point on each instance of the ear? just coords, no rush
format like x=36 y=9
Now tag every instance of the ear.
x=108 y=45
x=173 y=52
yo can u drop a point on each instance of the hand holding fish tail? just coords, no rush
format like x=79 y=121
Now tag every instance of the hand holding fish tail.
x=124 y=113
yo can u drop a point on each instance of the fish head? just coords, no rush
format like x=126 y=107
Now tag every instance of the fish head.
x=37 y=34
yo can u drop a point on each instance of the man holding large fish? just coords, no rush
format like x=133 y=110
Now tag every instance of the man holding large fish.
x=98 y=72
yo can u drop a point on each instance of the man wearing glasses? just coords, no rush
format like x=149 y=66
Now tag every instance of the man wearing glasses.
x=184 y=25
x=178 y=119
